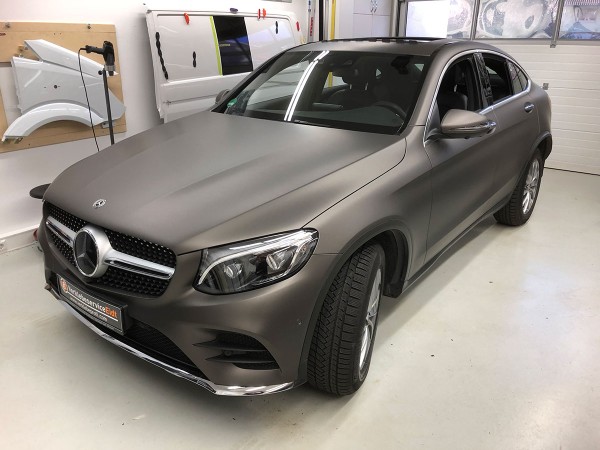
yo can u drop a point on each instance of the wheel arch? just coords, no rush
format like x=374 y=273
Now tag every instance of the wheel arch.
x=544 y=143
x=395 y=248
x=394 y=238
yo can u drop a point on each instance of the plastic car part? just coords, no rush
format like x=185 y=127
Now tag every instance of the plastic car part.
x=50 y=90
x=44 y=114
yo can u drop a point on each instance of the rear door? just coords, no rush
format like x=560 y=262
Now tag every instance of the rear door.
x=516 y=117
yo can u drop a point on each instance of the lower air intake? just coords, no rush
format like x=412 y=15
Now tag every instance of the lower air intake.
x=240 y=350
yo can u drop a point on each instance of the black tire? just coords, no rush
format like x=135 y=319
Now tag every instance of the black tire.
x=334 y=361
x=514 y=213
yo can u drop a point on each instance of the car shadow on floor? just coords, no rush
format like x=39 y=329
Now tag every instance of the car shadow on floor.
x=444 y=270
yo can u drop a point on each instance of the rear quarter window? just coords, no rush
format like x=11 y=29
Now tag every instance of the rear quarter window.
x=517 y=78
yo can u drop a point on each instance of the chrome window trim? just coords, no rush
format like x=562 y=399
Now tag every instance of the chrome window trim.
x=487 y=109
x=114 y=257
x=217 y=389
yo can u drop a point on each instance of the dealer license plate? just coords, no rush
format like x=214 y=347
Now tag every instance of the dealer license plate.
x=94 y=308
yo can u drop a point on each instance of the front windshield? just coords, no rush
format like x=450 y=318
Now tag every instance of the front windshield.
x=363 y=91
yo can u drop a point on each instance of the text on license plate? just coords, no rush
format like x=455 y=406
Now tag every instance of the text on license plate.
x=96 y=309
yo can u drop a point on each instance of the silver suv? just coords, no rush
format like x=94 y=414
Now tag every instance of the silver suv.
x=246 y=248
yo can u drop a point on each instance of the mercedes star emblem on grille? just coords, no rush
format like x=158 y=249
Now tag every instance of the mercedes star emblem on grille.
x=99 y=203
x=86 y=252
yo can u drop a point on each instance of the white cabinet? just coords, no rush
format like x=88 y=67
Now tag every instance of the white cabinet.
x=363 y=6
x=381 y=25
x=383 y=7
x=372 y=18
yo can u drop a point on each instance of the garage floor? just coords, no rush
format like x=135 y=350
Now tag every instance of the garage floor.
x=497 y=348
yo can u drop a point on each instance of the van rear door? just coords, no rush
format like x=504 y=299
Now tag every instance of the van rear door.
x=197 y=54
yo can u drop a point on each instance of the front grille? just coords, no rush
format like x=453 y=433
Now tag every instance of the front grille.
x=123 y=280
x=68 y=220
x=141 y=249
x=115 y=278
x=63 y=248
x=240 y=350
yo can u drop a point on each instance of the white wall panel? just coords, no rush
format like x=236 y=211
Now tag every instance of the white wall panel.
x=22 y=170
x=572 y=71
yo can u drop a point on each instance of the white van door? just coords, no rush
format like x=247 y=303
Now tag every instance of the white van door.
x=197 y=54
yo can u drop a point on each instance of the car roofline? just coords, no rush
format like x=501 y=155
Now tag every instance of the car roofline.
x=424 y=46
x=388 y=38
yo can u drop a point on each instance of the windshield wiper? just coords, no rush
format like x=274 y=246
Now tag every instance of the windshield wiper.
x=306 y=122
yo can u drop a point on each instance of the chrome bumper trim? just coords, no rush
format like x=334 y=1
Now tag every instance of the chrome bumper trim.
x=217 y=389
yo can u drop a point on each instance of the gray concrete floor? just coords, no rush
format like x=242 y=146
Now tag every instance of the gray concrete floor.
x=498 y=347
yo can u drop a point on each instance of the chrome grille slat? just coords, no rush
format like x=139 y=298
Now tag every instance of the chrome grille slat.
x=61 y=231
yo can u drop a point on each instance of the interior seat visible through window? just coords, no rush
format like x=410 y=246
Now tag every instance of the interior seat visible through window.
x=357 y=95
x=499 y=77
x=458 y=89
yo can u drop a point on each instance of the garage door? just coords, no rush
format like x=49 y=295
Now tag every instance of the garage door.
x=563 y=55
x=572 y=72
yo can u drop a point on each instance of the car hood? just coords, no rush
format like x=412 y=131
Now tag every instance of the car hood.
x=211 y=179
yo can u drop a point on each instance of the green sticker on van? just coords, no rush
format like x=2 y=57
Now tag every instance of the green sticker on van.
x=232 y=102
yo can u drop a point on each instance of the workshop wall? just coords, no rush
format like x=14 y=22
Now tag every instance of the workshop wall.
x=24 y=169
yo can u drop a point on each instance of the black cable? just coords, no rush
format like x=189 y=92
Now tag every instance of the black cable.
x=86 y=97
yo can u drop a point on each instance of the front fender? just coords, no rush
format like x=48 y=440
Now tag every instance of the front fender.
x=396 y=208
x=44 y=114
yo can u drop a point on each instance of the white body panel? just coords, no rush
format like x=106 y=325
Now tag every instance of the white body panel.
x=45 y=114
x=190 y=89
x=50 y=89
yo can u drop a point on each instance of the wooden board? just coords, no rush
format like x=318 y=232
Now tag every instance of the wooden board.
x=71 y=36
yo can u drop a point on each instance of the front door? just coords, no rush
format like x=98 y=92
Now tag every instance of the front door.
x=462 y=169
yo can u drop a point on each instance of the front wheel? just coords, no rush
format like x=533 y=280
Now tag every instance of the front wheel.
x=519 y=208
x=342 y=344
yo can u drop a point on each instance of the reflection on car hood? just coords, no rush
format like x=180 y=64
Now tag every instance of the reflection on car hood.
x=211 y=179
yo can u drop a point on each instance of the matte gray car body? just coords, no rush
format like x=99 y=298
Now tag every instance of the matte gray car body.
x=212 y=179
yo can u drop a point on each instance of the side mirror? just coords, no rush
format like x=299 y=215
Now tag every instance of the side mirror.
x=220 y=95
x=458 y=123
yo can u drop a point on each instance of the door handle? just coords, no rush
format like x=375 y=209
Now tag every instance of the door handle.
x=528 y=107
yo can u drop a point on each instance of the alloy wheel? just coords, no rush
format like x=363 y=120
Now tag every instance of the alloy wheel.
x=531 y=186
x=370 y=321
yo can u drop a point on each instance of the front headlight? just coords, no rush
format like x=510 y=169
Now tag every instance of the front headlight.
x=252 y=264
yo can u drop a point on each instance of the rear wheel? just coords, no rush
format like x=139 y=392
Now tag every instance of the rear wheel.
x=342 y=344
x=519 y=208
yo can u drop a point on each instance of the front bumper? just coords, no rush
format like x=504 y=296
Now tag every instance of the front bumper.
x=206 y=384
x=276 y=316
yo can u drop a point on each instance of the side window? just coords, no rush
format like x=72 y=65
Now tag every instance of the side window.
x=459 y=89
x=517 y=77
x=523 y=78
x=499 y=76
x=234 y=47
x=484 y=80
